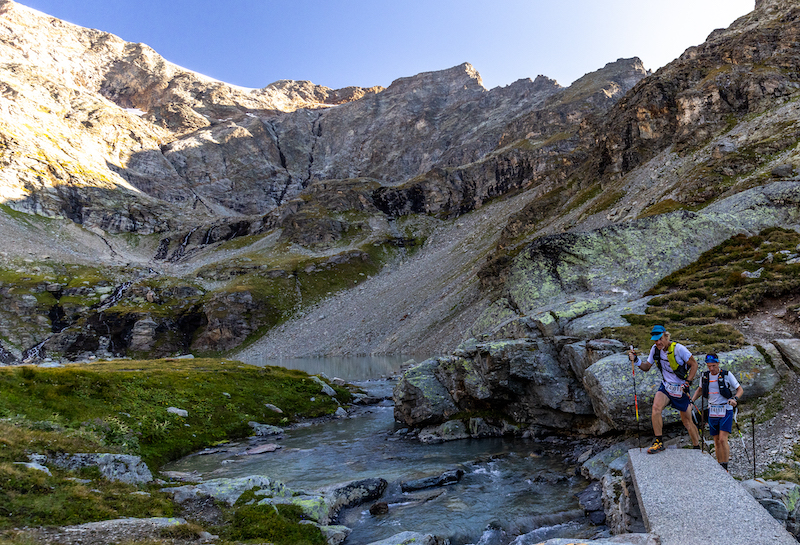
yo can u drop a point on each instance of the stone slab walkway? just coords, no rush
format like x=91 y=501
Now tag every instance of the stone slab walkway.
x=687 y=498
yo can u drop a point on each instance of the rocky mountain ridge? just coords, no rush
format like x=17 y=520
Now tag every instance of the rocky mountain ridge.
x=232 y=211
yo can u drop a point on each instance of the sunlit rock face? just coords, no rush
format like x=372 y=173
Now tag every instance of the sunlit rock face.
x=110 y=135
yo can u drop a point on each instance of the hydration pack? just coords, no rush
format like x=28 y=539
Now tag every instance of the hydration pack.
x=681 y=370
x=724 y=389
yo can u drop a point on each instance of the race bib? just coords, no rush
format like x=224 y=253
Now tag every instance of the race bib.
x=717 y=411
x=675 y=390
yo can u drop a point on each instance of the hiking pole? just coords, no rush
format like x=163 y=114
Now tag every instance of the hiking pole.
x=753 y=424
x=739 y=429
x=699 y=424
x=703 y=423
x=636 y=402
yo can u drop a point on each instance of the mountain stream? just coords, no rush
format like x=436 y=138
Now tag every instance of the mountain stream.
x=509 y=485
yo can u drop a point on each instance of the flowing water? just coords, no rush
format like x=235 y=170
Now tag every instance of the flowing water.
x=509 y=483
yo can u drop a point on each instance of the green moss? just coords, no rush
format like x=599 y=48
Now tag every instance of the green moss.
x=584 y=196
x=662 y=207
x=279 y=524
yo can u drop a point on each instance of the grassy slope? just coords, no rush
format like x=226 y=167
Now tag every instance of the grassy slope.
x=121 y=406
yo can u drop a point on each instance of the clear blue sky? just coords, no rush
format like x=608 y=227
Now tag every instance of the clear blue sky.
x=338 y=43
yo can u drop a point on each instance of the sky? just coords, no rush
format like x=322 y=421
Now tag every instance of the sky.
x=341 y=43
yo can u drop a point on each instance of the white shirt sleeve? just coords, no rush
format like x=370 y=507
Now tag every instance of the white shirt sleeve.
x=682 y=353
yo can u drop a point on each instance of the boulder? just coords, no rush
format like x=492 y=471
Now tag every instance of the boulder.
x=356 y=493
x=452 y=430
x=114 y=467
x=229 y=490
x=780 y=498
x=335 y=535
x=790 y=348
x=143 y=335
x=521 y=380
x=777 y=360
x=265 y=430
x=783 y=171
x=419 y=397
x=596 y=466
x=326 y=389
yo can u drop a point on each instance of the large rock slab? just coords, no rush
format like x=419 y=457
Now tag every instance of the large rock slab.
x=521 y=380
x=615 y=263
x=790 y=349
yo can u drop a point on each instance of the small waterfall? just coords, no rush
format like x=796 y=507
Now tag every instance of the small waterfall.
x=115 y=297
x=181 y=250
x=34 y=353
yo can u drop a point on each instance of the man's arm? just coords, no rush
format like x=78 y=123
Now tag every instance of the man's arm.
x=734 y=401
x=692 y=369
x=644 y=365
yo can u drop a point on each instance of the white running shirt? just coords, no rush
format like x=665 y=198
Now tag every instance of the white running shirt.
x=682 y=355
x=716 y=398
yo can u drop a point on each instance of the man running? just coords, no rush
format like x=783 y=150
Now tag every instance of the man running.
x=678 y=369
x=718 y=386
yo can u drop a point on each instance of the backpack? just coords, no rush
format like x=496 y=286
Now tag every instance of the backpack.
x=724 y=389
x=680 y=369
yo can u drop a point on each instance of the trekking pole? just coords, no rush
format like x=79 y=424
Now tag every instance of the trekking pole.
x=700 y=422
x=739 y=429
x=703 y=423
x=636 y=403
x=753 y=424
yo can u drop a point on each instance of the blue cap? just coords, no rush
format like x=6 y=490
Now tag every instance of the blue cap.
x=712 y=358
x=657 y=332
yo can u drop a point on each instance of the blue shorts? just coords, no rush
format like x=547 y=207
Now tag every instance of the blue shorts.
x=680 y=403
x=725 y=423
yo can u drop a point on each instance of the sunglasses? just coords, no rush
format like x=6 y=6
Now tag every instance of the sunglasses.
x=712 y=359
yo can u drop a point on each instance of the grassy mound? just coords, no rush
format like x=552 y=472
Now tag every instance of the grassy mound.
x=725 y=283
x=121 y=406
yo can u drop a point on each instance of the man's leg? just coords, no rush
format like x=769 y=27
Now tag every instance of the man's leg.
x=660 y=401
x=723 y=448
x=686 y=418
x=718 y=448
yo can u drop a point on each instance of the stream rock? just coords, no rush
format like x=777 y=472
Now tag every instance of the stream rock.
x=411 y=538
x=228 y=490
x=356 y=493
x=448 y=477
x=265 y=430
